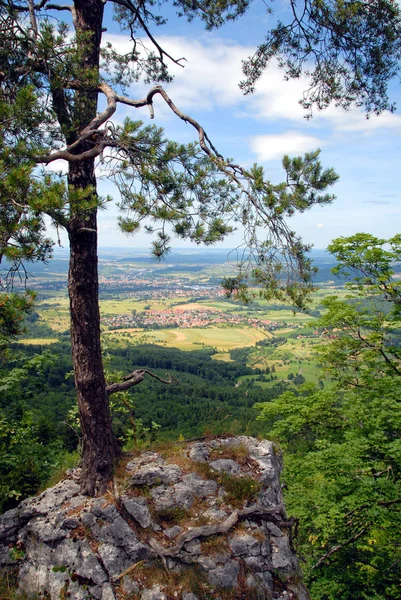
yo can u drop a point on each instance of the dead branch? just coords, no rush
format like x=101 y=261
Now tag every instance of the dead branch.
x=59 y=7
x=103 y=138
x=136 y=377
x=112 y=99
x=338 y=547
x=129 y=570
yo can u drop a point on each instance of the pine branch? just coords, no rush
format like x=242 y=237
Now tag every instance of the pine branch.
x=135 y=11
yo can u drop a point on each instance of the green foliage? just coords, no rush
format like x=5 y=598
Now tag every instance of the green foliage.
x=13 y=310
x=240 y=489
x=342 y=444
x=31 y=441
x=269 y=263
x=365 y=326
x=342 y=469
x=23 y=195
x=173 y=514
x=25 y=462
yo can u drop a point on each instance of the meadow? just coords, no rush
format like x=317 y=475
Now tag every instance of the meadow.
x=222 y=339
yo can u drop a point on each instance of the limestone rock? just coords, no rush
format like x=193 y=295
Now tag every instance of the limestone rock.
x=226 y=465
x=138 y=509
x=182 y=518
x=224 y=576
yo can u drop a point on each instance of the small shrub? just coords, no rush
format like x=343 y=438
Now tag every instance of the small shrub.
x=175 y=514
x=237 y=452
x=239 y=489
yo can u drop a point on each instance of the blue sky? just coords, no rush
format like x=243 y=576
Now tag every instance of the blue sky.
x=263 y=127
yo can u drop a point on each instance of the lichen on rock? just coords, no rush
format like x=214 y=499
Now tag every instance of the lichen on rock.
x=211 y=526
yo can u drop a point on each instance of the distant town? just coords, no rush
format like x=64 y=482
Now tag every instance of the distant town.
x=185 y=319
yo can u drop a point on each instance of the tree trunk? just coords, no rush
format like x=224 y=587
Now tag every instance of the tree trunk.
x=99 y=445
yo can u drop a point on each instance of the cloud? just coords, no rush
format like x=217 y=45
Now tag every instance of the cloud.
x=270 y=147
x=211 y=72
x=320 y=225
x=356 y=121
x=57 y=166
x=276 y=98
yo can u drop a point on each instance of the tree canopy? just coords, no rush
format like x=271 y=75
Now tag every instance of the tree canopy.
x=342 y=443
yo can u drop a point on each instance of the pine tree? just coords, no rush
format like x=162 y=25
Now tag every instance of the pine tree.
x=55 y=78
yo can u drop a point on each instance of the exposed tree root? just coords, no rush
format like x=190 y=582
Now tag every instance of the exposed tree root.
x=207 y=530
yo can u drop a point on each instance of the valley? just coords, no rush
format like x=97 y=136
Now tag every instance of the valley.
x=180 y=303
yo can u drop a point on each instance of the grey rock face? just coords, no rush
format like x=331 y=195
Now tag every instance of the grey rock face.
x=226 y=465
x=172 y=532
x=199 y=453
x=200 y=487
x=282 y=556
x=224 y=576
x=138 y=509
x=153 y=594
x=152 y=473
x=244 y=544
x=68 y=545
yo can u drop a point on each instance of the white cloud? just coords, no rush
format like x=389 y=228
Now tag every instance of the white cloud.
x=275 y=98
x=57 y=166
x=210 y=75
x=355 y=121
x=270 y=147
x=320 y=225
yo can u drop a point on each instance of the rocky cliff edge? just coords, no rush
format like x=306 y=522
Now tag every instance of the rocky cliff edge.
x=191 y=521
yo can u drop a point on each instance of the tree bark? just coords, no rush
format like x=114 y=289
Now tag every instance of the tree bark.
x=99 y=445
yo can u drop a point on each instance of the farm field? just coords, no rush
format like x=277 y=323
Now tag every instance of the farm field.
x=38 y=341
x=127 y=305
x=55 y=313
x=221 y=338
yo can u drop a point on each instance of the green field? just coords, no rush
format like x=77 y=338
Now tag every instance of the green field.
x=125 y=306
x=55 y=313
x=220 y=338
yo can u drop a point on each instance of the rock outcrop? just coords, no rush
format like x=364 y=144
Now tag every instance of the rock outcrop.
x=191 y=521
